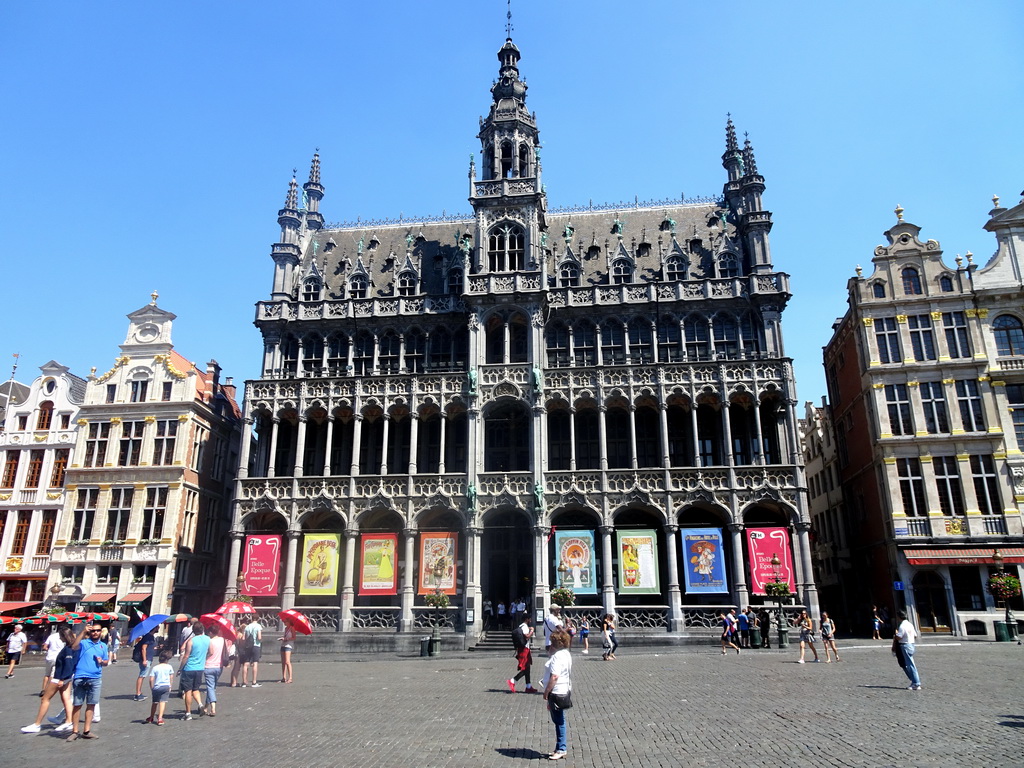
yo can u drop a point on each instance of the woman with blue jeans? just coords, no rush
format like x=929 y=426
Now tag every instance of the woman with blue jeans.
x=558 y=683
x=906 y=635
x=214 y=666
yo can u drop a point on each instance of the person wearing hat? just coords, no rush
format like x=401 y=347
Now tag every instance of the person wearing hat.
x=15 y=645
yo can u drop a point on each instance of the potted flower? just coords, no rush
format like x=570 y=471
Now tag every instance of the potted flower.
x=563 y=596
x=438 y=600
x=1004 y=586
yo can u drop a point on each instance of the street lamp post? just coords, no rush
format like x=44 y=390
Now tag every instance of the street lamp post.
x=1011 y=621
x=780 y=591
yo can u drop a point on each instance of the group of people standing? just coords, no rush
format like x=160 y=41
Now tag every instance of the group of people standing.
x=737 y=632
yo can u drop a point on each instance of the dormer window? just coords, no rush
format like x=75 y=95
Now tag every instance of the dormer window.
x=879 y=290
x=506 y=249
x=946 y=284
x=455 y=282
x=406 y=284
x=311 y=290
x=622 y=272
x=45 y=416
x=728 y=266
x=569 y=275
x=911 y=282
x=358 y=287
x=675 y=269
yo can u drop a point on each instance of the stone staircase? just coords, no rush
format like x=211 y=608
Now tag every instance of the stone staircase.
x=498 y=641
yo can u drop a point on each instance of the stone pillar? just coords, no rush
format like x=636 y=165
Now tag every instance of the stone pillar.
x=474 y=597
x=540 y=566
x=414 y=438
x=632 y=435
x=356 y=442
x=602 y=429
x=329 y=439
x=237 y=537
x=666 y=459
x=272 y=458
x=759 y=446
x=572 y=438
x=727 y=433
x=300 y=446
x=607 y=569
x=738 y=573
x=407 y=620
x=246 y=447
x=694 y=435
x=348 y=591
x=443 y=447
x=810 y=592
x=291 y=565
x=675 y=597
x=384 y=443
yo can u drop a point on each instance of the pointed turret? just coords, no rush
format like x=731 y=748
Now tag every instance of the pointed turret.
x=749 y=164
x=314 y=193
x=286 y=252
x=732 y=158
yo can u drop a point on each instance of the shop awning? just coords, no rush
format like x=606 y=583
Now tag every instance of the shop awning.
x=963 y=556
x=5 y=607
x=99 y=597
x=134 y=598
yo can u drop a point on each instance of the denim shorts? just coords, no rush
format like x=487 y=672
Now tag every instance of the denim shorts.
x=87 y=690
x=161 y=695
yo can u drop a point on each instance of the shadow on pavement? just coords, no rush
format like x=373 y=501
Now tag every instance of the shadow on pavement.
x=525 y=754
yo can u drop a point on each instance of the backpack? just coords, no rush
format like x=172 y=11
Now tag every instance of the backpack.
x=518 y=638
x=245 y=642
x=137 y=651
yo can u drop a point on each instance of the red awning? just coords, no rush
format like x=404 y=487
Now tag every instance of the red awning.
x=4 y=607
x=962 y=556
x=135 y=597
x=99 y=597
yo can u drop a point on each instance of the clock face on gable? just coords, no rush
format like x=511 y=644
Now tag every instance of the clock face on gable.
x=147 y=332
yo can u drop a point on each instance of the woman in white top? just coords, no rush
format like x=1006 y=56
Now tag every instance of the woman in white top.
x=557 y=684
x=828 y=636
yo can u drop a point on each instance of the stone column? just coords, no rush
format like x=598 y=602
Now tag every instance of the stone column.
x=407 y=620
x=727 y=433
x=384 y=443
x=237 y=537
x=246 y=447
x=348 y=591
x=632 y=436
x=759 y=445
x=738 y=573
x=291 y=564
x=602 y=429
x=572 y=439
x=474 y=598
x=414 y=439
x=810 y=592
x=694 y=435
x=607 y=569
x=272 y=458
x=356 y=442
x=675 y=597
x=329 y=439
x=666 y=458
x=443 y=447
x=300 y=446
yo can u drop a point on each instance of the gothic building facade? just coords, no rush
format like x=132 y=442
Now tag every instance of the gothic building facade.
x=508 y=379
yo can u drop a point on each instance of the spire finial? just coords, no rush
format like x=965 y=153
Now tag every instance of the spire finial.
x=730 y=134
x=508 y=21
x=749 y=164
x=314 y=168
x=291 y=201
x=154 y=296
x=995 y=201
x=898 y=210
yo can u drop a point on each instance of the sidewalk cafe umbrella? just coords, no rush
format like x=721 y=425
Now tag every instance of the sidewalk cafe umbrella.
x=48 y=618
x=236 y=606
x=224 y=624
x=145 y=625
x=8 y=619
x=177 y=618
x=112 y=616
x=296 y=621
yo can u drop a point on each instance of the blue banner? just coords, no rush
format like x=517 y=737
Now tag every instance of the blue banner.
x=574 y=561
x=704 y=559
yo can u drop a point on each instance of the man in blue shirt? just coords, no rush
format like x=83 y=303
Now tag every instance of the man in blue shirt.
x=743 y=620
x=93 y=655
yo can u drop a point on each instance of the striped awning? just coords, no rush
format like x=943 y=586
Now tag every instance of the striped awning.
x=963 y=556
x=15 y=606
x=134 y=598
x=99 y=597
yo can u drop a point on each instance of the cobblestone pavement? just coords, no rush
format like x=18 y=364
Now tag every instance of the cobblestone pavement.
x=651 y=708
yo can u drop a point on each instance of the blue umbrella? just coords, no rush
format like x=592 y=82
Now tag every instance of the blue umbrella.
x=147 y=624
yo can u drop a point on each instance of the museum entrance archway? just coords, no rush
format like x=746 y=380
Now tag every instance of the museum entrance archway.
x=507 y=558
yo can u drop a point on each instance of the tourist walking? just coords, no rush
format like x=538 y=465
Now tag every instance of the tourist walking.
x=52 y=647
x=609 y=642
x=142 y=654
x=521 y=637
x=557 y=684
x=743 y=624
x=287 y=646
x=192 y=669
x=16 y=642
x=903 y=645
x=828 y=636
x=552 y=622
x=92 y=657
x=727 y=633
x=58 y=680
x=488 y=614
x=806 y=626
x=216 y=658
x=876 y=624
x=585 y=635
x=240 y=651
x=160 y=686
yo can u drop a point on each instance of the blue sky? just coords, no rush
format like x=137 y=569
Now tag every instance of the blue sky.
x=149 y=145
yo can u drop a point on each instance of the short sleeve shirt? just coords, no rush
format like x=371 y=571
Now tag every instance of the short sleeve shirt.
x=559 y=664
x=87 y=666
x=254 y=631
x=161 y=675
x=16 y=642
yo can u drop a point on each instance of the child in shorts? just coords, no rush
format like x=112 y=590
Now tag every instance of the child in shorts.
x=160 y=685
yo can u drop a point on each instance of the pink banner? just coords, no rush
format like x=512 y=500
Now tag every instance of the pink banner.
x=262 y=566
x=762 y=545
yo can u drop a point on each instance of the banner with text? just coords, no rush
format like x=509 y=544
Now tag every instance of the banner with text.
x=762 y=545
x=705 y=560
x=574 y=561
x=638 y=562
x=377 y=564
x=319 y=574
x=262 y=566
x=438 y=552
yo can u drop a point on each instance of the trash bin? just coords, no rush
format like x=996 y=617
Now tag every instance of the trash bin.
x=425 y=646
x=755 y=637
x=1002 y=633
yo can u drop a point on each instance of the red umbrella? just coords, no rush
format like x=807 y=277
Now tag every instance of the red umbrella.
x=7 y=619
x=236 y=606
x=177 y=618
x=225 y=626
x=296 y=621
x=47 y=618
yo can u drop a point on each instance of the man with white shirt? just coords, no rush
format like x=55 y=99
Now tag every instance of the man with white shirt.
x=551 y=622
x=15 y=645
x=906 y=635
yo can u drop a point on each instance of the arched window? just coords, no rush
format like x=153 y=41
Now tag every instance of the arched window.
x=506 y=249
x=879 y=290
x=358 y=286
x=647 y=437
x=946 y=284
x=506 y=160
x=337 y=353
x=507 y=439
x=524 y=161
x=675 y=269
x=559 y=439
x=588 y=436
x=440 y=350
x=518 y=338
x=290 y=354
x=406 y=284
x=613 y=351
x=669 y=337
x=727 y=334
x=616 y=423
x=460 y=348
x=728 y=265
x=622 y=272
x=311 y=289
x=495 y=339
x=911 y=281
x=415 y=344
x=569 y=275
x=362 y=354
x=1009 y=335
x=312 y=353
x=45 y=417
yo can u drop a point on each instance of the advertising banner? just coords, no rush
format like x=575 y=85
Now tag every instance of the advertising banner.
x=437 y=562
x=705 y=560
x=762 y=545
x=377 y=572
x=574 y=561
x=261 y=566
x=319 y=572
x=638 y=562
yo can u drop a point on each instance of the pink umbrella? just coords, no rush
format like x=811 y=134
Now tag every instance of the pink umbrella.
x=296 y=621
x=236 y=606
x=225 y=626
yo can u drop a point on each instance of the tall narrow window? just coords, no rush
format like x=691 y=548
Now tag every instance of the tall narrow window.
x=518 y=338
x=111 y=392
x=60 y=467
x=695 y=330
x=557 y=338
x=559 y=439
x=440 y=350
x=933 y=400
x=922 y=341
x=669 y=340
x=131 y=443
x=163 y=444
x=415 y=346
x=10 y=468
x=641 y=342
x=166 y=390
x=84 y=512
x=46 y=528
x=153 y=513
x=986 y=485
x=506 y=250
x=312 y=354
x=887 y=336
x=1009 y=334
x=20 y=539
x=455 y=282
x=727 y=336
x=388 y=352
x=613 y=350
x=957 y=336
x=118 y=514
x=35 y=468
x=898 y=404
x=45 y=416
x=1015 y=398
x=139 y=390
x=362 y=354
x=911 y=281
x=588 y=438
x=96 y=445
x=912 y=487
x=947 y=484
x=337 y=354
x=584 y=344
x=569 y=275
x=969 y=401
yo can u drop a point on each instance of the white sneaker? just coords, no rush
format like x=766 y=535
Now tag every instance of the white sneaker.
x=799 y=661
x=256 y=685
x=56 y=719
x=63 y=728
x=32 y=728
x=585 y=651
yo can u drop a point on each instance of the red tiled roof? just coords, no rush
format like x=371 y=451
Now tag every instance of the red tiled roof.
x=962 y=556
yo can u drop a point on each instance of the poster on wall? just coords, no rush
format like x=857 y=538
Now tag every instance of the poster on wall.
x=574 y=561
x=437 y=562
x=377 y=572
x=638 y=562
x=262 y=566
x=762 y=545
x=704 y=559
x=319 y=570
